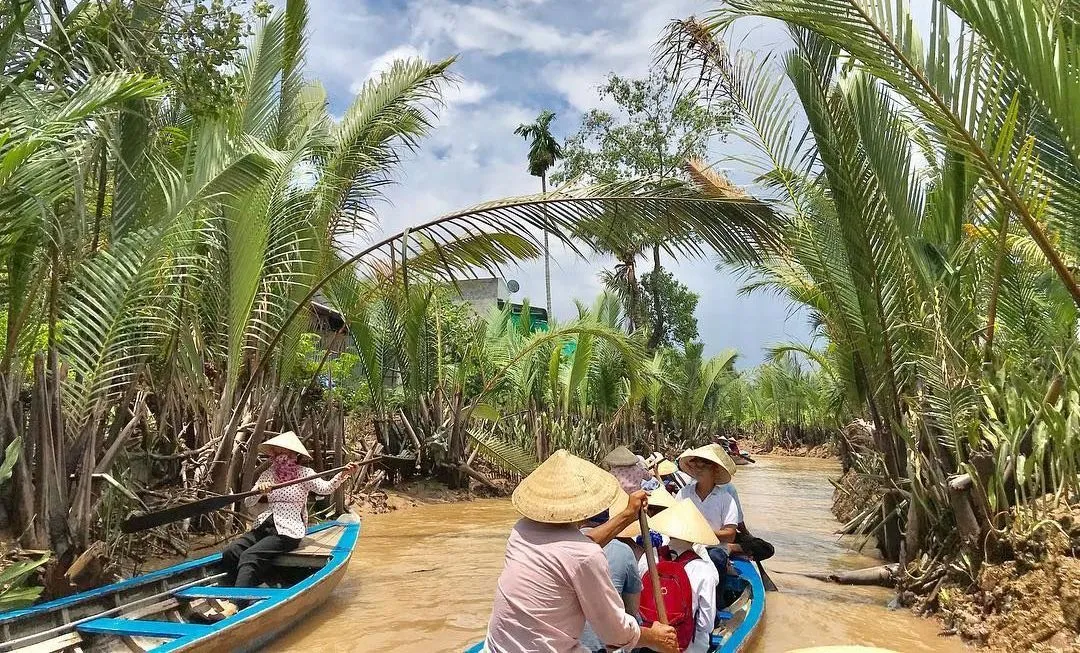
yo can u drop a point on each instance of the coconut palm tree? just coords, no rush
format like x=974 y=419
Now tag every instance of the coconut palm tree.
x=544 y=151
x=925 y=273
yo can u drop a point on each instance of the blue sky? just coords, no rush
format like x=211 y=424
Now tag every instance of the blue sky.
x=516 y=57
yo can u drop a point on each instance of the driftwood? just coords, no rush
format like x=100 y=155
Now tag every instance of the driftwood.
x=883 y=575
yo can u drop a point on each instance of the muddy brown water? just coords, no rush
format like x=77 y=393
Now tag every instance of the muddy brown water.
x=422 y=579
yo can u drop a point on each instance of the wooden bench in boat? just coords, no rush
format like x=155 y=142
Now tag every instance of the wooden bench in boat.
x=314 y=550
x=142 y=628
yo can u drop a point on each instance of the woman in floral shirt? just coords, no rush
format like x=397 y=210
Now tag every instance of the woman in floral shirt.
x=283 y=524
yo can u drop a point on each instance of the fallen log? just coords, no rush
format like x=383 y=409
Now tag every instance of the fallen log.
x=883 y=575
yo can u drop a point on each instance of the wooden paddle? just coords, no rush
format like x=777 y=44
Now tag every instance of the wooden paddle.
x=765 y=580
x=185 y=510
x=650 y=557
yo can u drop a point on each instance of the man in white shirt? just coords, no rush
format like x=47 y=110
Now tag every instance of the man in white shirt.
x=688 y=531
x=712 y=468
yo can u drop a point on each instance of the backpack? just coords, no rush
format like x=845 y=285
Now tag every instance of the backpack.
x=678 y=596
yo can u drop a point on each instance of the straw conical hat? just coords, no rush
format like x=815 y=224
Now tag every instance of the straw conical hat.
x=616 y=507
x=620 y=457
x=684 y=521
x=666 y=467
x=714 y=453
x=286 y=440
x=661 y=498
x=565 y=489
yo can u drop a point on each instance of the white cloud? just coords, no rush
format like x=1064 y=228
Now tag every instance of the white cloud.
x=383 y=62
x=516 y=57
x=466 y=92
x=499 y=29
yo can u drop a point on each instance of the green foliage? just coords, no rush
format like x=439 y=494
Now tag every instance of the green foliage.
x=677 y=307
x=12 y=593
x=657 y=127
x=11 y=456
x=544 y=150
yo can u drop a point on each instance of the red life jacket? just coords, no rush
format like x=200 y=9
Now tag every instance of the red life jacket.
x=678 y=595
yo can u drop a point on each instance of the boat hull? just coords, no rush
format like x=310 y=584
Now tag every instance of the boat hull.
x=151 y=612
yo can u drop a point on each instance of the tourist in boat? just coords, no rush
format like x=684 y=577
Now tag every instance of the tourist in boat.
x=630 y=470
x=283 y=524
x=623 y=570
x=555 y=577
x=686 y=531
x=712 y=468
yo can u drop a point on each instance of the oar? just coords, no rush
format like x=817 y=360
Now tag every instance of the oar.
x=650 y=557
x=765 y=580
x=183 y=511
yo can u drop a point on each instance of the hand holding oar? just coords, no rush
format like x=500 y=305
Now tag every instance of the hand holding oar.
x=202 y=506
x=650 y=558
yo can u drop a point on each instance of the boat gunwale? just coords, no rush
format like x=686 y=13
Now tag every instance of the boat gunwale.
x=336 y=558
x=135 y=581
x=745 y=632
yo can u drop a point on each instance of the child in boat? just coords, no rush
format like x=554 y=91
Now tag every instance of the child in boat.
x=688 y=536
x=283 y=524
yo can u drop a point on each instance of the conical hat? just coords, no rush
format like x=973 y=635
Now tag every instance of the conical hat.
x=620 y=457
x=684 y=521
x=616 y=507
x=286 y=440
x=564 y=489
x=666 y=467
x=714 y=453
x=661 y=498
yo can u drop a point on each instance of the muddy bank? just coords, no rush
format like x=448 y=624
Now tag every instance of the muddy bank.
x=826 y=450
x=424 y=492
x=1030 y=601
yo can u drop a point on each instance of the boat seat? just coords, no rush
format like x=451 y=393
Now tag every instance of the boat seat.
x=231 y=593
x=723 y=614
x=58 y=643
x=314 y=550
x=139 y=627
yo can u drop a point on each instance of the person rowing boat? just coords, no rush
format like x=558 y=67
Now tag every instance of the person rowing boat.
x=281 y=526
x=555 y=577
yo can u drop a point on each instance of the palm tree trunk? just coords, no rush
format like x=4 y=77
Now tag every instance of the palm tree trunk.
x=547 y=252
x=658 y=318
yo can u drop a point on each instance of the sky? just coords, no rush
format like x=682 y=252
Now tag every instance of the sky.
x=515 y=58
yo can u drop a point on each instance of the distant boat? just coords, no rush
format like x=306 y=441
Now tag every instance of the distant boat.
x=740 y=622
x=159 y=611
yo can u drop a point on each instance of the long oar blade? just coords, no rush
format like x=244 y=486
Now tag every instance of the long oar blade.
x=175 y=513
x=770 y=586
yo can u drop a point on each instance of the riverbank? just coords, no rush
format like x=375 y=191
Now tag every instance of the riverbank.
x=423 y=492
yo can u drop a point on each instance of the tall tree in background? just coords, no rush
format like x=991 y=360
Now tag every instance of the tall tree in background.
x=544 y=150
x=678 y=304
x=659 y=126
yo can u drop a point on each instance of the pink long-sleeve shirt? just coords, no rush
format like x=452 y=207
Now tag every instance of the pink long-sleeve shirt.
x=554 y=580
x=288 y=505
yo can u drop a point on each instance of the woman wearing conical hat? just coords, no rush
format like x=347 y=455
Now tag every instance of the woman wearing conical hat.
x=283 y=524
x=556 y=577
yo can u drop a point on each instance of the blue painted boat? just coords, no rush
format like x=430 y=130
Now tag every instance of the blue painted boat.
x=164 y=611
x=740 y=622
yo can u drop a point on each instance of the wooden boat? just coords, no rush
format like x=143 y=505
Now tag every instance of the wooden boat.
x=737 y=624
x=160 y=611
